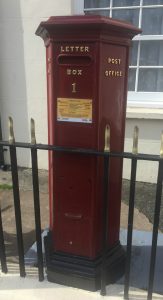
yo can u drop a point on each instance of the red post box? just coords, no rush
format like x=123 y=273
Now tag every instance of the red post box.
x=87 y=70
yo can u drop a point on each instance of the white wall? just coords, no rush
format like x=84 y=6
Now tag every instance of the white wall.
x=22 y=68
x=150 y=126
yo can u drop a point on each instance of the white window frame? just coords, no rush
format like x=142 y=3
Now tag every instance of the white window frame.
x=135 y=99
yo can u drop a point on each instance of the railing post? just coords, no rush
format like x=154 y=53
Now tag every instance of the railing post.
x=36 y=203
x=130 y=226
x=1 y=148
x=2 y=247
x=16 y=195
x=156 y=223
x=131 y=212
x=105 y=210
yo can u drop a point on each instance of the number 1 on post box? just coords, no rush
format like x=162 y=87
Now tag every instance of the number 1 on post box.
x=74 y=87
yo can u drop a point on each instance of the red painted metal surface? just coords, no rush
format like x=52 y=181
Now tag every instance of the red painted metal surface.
x=91 y=52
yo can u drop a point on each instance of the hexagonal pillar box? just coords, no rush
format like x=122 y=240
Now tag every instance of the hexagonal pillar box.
x=87 y=70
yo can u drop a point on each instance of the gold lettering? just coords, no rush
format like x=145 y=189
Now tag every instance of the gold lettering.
x=74 y=48
x=74 y=87
x=114 y=61
x=113 y=73
x=79 y=72
x=109 y=60
x=68 y=71
x=74 y=72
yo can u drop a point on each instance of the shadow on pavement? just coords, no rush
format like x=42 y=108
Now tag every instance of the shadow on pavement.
x=140 y=265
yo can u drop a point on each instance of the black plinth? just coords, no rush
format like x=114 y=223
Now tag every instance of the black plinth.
x=81 y=272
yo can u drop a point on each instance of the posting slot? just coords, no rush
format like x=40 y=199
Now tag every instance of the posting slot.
x=74 y=60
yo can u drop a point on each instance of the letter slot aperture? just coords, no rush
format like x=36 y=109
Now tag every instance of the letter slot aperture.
x=71 y=60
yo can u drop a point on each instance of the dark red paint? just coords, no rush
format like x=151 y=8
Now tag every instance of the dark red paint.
x=75 y=181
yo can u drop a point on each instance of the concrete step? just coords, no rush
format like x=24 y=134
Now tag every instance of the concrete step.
x=12 y=287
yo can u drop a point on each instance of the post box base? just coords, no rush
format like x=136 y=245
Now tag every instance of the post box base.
x=82 y=272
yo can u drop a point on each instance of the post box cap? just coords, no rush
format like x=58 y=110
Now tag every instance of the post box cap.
x=56 y=25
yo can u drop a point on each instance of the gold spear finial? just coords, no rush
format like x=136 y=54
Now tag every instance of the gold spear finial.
x=135 y=140
x=107 y=138
x=11 y=131
x=161 y=149
x=33 y=136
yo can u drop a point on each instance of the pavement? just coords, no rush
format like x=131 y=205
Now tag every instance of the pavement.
x=14 y=287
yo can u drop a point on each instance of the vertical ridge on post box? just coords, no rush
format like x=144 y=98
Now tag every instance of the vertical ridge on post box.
x=87 y=69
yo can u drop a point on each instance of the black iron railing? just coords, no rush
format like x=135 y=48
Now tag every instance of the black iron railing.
x=134 y=157
x=1 y=149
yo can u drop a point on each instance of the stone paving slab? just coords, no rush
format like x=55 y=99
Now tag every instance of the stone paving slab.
x=28 y=221
x=140 y=260
x=25 y=179
x=12 y=287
